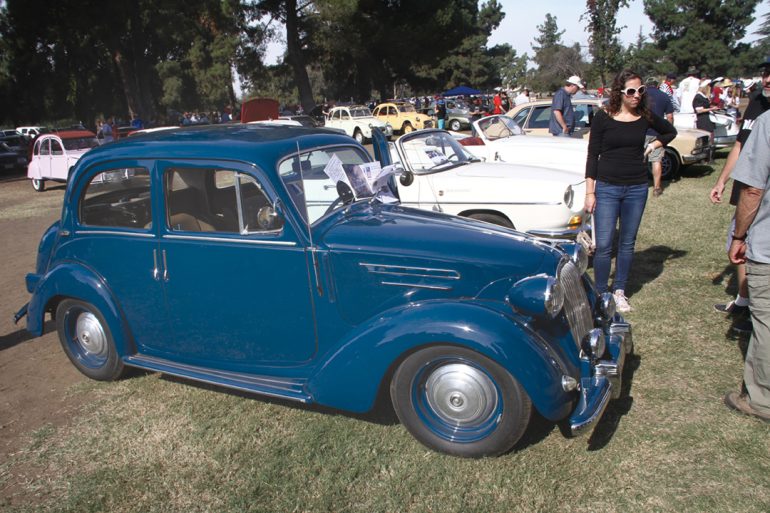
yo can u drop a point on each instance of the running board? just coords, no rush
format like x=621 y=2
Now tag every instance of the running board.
x=285 y=388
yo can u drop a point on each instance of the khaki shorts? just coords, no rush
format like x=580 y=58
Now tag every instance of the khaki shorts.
x=657 y=154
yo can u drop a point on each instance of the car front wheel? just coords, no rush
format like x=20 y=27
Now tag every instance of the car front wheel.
x=460 y=402
x=408 y=128
x=670 y=165
x=38 y=184
x=492 y=218
x=87 y=340
x=455 y=125
x=358 y=136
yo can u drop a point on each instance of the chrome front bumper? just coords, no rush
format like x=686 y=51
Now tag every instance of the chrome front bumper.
x=597 y=390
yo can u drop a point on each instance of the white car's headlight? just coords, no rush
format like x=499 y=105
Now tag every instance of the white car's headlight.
x=569 y=196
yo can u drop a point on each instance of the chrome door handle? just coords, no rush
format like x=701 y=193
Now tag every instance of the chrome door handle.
x=165 y=267
x=155 y=271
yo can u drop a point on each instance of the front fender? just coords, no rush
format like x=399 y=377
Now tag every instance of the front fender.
x=350 y=375
x=74 y=280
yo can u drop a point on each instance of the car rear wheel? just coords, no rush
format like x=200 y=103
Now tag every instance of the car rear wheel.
x=455 y=125
x=492 y=218
x=38 y=184
x=408 y=128
x=87 y=340
x=460 y=402
x=358 y=136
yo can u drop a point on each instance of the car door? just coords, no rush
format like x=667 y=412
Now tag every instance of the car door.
x=238 y=290
x=59 y=167
x=539 y=120
x=114 y=228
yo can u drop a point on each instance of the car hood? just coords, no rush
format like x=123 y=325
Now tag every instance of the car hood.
x=385 y=257
x=562 y=153
x=411 y=237
x=514 y=173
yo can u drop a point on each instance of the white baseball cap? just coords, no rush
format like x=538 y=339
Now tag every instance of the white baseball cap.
x=574 y=79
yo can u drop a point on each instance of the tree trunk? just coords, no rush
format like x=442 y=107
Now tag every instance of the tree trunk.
x=296 y=59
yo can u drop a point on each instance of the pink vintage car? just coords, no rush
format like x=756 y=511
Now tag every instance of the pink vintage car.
x=53 y=155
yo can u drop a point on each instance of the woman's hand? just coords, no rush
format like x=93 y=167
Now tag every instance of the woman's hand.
x=590 y=203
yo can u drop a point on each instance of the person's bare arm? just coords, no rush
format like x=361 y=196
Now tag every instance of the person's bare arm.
x=560 y=119
x=748 y=205
x=716 y=192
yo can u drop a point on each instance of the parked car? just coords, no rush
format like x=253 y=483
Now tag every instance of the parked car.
x=30 y=132
x=10 y=160
x=445 y=177
x=689 y=147
x=499 y=138
x=357 y=122
x=55 y=154
x=458 y=114
x=402 y=117
x=470 y=327
x=725 y=127
x=302 y=119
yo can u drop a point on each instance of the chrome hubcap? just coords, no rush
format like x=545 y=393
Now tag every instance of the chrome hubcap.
x=461 y=395
x=90 y=334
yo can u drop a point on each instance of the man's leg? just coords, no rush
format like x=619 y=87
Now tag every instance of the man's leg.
x=757 y=370
x=657 y=173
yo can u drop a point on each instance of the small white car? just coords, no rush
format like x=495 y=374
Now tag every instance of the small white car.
x=725 y=127
x=445 y=177
x=357 y=122
x=499 y=138
x=54 y=155
x=30 y=132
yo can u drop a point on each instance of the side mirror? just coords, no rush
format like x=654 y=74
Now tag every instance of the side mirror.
x=406 y=178
x=268 y=219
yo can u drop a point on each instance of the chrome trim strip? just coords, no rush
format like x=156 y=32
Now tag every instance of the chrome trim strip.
x=450 y=274
x=580 y=428
x=443 y=202
x=414 y=285
x=237 y=241
x=111 y=232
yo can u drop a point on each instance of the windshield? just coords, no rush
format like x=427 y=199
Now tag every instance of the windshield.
x=429 y=152
x=314 y=193
x=80 y=143
x=360 y=112
x=499 y=127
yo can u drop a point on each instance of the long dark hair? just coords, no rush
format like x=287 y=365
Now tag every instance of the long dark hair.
x=616 y=95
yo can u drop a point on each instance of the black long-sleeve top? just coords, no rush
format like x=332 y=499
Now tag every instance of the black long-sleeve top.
x=616 y=148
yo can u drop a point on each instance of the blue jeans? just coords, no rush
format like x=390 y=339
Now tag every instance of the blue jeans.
x=616 y=202
x=441 y=123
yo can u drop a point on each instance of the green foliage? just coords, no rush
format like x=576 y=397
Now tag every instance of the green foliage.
x=603 y=40
x=555 y=61
x=700 y=33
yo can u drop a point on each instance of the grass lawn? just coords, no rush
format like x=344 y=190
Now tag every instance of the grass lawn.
x=154 y=444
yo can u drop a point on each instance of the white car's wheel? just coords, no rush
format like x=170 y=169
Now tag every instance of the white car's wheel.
x=358 y=136
x=38 y=184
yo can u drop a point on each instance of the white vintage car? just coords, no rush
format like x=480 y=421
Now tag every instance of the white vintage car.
x=499 y=138
x=54 y=155
x=445 y=177
x=357 y=122
x=725 y=127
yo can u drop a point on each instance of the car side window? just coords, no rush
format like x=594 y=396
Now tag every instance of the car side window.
x=45 y=149
x=56 y=148
x=344 y=115
x=521 y=117
x=541 y=117
x=217 y=200
x=377 y=112
x=392 y=111
x=118 y=198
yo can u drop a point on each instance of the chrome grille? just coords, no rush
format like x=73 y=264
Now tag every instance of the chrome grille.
x=576 y=305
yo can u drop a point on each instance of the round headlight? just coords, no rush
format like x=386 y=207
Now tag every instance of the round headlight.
x=580 y=258
x=607 y=305
x=569 y=196
x=554 y=297
x=593 y=343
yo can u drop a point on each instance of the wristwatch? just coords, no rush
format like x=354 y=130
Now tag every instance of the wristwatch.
x=742 y=237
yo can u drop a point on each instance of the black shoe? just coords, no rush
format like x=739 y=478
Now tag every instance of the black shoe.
x=743 y=327
x=731 y=309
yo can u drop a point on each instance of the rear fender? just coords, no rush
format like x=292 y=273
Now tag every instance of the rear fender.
x=73 y=280
x=349 y=376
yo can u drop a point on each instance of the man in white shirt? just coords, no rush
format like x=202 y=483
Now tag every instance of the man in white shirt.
x=687 y=90
x=522 y=97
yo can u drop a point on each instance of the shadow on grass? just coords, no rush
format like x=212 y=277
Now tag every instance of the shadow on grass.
x=608 y=424
x=696 y=171
x=22 y=335
x=648 y=265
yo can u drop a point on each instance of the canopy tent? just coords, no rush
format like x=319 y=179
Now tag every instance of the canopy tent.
x=461 y=91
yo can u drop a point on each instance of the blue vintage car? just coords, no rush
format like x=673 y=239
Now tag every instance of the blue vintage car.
x=212 y=254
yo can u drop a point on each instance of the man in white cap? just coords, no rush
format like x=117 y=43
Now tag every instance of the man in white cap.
x=562 y=122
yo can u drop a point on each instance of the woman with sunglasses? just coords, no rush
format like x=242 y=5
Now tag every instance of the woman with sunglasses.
x=616 y=177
